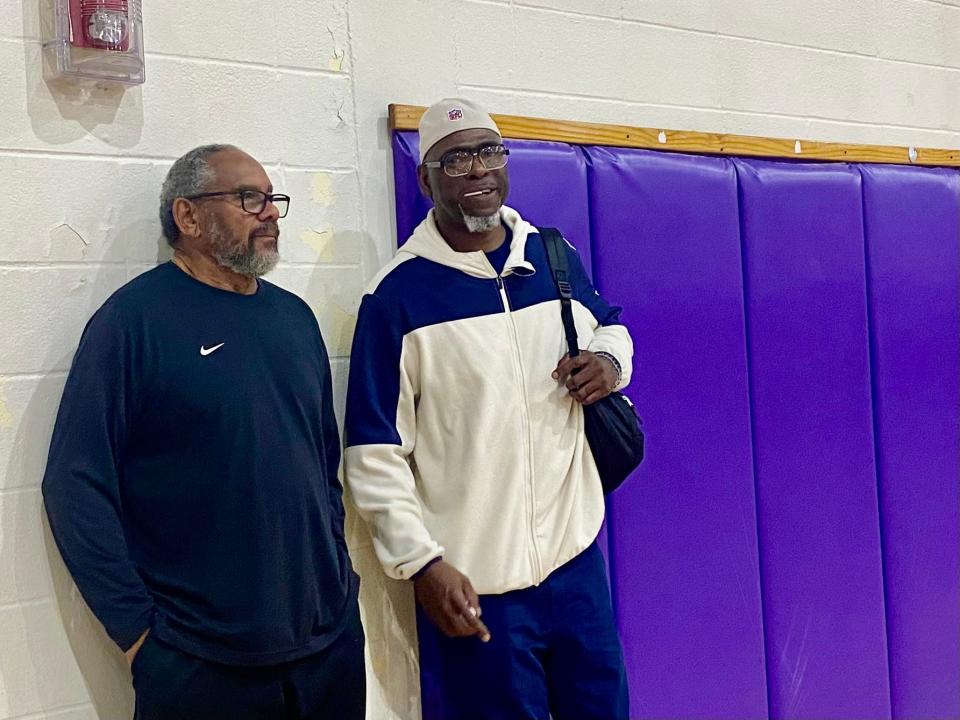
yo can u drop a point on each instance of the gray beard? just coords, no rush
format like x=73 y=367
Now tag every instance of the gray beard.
x=480 y=223
x=249 y=264
x=244 y=260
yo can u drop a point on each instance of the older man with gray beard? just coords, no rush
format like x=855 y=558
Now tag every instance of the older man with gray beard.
x=192 y=478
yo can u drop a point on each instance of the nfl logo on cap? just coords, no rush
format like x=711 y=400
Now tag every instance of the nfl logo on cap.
x=455 y=114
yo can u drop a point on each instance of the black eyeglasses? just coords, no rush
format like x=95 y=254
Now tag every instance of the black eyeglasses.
x=457 y=163
x=252 y=201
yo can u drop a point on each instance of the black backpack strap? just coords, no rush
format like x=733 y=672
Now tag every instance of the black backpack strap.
x=557 y=260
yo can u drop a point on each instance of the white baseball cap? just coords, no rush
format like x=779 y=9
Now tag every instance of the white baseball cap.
x=448 y=116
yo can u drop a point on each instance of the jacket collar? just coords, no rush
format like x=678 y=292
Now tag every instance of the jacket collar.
x=427 y=242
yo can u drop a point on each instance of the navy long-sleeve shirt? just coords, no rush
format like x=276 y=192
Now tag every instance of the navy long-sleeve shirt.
x=192 y=481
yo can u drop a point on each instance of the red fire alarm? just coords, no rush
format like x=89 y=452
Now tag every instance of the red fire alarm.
x=97 y=40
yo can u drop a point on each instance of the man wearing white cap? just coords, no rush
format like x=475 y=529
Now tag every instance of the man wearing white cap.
x=465 y=446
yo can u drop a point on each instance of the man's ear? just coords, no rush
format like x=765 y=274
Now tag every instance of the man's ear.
x=423 y=181
x=185 y=215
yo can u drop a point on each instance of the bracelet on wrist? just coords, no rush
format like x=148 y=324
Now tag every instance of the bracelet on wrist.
x=616 y=366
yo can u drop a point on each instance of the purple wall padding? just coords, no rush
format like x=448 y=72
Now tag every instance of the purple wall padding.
x=820 y=563
x=913 y=226
x=548 y=186
x=790 y=548
x=683 y=537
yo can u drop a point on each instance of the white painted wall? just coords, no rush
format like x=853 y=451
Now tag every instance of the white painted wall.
x=303 y=85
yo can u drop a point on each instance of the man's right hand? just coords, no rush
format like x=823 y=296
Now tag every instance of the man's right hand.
x=132 y=651
x=449 y=600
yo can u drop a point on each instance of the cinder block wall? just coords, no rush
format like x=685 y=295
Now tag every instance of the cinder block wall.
x=303 y=85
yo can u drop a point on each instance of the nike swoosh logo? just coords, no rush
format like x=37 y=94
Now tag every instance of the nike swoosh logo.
x=206 y=351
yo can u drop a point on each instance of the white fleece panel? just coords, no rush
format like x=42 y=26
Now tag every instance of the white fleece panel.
x=532 y=499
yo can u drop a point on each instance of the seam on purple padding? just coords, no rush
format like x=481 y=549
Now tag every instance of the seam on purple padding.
x=874 y=410
x=753 y=430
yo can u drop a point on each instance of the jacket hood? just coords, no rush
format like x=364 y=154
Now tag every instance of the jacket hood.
x=427 y=242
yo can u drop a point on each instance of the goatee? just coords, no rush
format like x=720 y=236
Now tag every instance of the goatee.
x=481 y=223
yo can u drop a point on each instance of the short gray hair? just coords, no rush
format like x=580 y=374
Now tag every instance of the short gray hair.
x=189 y=175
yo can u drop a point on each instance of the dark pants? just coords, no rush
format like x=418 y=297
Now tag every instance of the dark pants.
x=172 y=685
x=554 y=651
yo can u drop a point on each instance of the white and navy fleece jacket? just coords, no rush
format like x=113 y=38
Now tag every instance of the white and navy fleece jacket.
x=459 y=441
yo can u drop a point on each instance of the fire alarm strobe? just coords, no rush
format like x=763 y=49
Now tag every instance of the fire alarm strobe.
x=97 y=40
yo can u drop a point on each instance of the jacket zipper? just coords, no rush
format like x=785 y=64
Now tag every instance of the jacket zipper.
x=531 y=495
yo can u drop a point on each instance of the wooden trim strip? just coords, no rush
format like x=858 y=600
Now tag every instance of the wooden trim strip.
x=406 y=117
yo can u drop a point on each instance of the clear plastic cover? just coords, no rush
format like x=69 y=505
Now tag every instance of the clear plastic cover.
x=95 y=39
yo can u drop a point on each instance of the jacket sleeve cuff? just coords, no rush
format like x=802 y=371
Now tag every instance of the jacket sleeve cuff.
x=421 y=571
